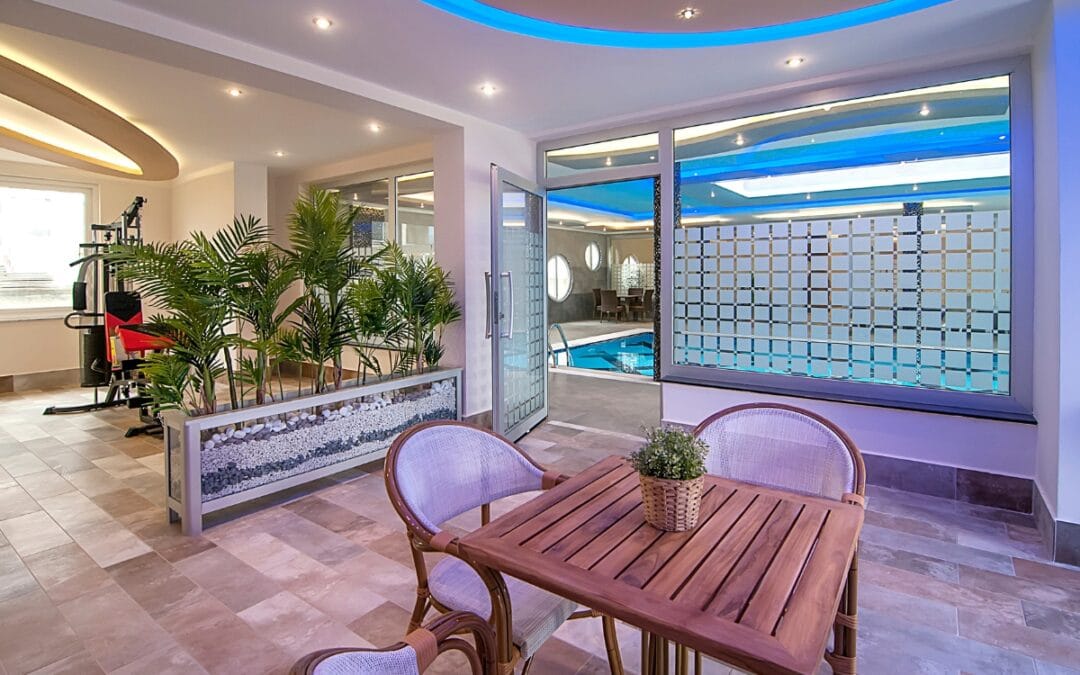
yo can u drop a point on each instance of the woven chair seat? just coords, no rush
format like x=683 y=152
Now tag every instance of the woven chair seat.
x=399 y=662
x=536 y=613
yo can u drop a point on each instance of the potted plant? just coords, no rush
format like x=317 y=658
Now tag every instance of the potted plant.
x=236 y=306
x=671 y=467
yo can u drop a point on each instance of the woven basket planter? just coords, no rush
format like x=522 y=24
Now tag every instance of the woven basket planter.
x=671 y=505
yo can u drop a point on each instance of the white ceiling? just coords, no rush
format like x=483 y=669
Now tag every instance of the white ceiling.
x=191 y=114
x=548 y=88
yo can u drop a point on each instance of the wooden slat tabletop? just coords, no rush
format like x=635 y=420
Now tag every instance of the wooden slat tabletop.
x=755 y=584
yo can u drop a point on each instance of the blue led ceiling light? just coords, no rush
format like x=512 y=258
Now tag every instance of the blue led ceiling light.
x=477 y=11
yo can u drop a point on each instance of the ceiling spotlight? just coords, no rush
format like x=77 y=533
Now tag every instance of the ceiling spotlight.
x=607 y=162
x=914 y=188
x=652 y=158
x=687 y=13
x=809 y=196
x=235 y=92
x=375 y=127
x=739 y=140
x=925 y=110
x=795 y=62
x=1001 y=137
x=712 y=194
x=488 y=89
x=279 y=153
x=322 y=23
x=827 y=108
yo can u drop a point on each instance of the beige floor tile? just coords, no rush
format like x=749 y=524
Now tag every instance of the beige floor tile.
x=227 y=578
x=81 y=663
x=44 y=484
x=15 y=501
x=66 y=572
x=22 y=464
x=115 y=630
x=33 y=533
x=34 y=634
x=167 y=661
x=296 y=627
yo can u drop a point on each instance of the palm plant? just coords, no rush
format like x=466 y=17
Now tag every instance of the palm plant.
x=320 y=233
x=408 y=301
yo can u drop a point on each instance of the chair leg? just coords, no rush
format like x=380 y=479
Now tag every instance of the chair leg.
x=611 y=641
x=420 y=610
x=525 y=666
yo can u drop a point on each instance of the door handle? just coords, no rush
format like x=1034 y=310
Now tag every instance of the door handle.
x=487 y=287
x=510 y=291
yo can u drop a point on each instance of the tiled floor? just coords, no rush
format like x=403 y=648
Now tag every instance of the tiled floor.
x=93 y=580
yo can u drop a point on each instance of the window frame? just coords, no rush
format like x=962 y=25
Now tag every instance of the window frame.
x=554 y=259
x=90 y=190
x=1016 y=406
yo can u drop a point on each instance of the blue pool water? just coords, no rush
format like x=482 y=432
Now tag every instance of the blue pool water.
x=632 y=354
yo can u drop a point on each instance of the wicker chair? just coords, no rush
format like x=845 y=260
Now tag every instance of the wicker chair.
x=413 y=655
x=596 y=301
x=441 y=469
x=793 y=449
x=648 y=303
x=609 y=304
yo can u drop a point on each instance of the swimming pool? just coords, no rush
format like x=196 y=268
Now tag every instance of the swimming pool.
x=630 y=354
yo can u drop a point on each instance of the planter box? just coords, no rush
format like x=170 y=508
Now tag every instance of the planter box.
x=216 y=461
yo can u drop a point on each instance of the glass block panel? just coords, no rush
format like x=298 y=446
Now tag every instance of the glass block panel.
x=867 y=240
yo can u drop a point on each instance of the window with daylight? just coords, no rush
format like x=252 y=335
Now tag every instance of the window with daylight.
x=41 y=227
x=864 y=241
x=416 y=213
x=560 y=277
x=592 y=256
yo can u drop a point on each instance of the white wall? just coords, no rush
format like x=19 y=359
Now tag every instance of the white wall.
x=203 y=202
x=463 y=159
x=1055 y=74
x=46 y=345
x=983 y=445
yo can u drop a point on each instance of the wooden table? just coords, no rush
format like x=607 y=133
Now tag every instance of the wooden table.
x=756 y=584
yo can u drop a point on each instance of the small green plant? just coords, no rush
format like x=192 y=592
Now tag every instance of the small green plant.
x=671 y=454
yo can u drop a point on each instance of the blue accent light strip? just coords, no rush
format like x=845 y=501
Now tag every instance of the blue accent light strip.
x=477 y=11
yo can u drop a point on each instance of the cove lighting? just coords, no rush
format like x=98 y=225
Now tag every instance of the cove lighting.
x=878 y=175
x=859 y=209
x=493 y=17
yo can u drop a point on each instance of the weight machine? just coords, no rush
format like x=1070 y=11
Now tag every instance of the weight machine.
x=108 y=317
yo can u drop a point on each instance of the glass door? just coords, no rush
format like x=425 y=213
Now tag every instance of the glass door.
x=517 y=304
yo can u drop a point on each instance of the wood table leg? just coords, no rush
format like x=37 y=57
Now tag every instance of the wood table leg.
x=612 y=642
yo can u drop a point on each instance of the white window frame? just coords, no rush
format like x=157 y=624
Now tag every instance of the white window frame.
x=92 y=212
x=1017 y=406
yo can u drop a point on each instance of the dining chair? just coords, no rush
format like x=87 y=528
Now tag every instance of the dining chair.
x=609 y=304
x=793 y=449
x=596 y=301
x=441 y=469
x=413 y=655
x=648 y=301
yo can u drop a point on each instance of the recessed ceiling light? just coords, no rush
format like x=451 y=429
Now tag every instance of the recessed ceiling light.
x=235 y=92
x=914 y=188
x=925 y=110
x=652 y=157
x=1001 y=138
x=687 y=13
x=279 y=153
x=739 y=140
x=794 y=62
x=322 y=23
x=607 y=162
x=375 y=127
x=488 y=89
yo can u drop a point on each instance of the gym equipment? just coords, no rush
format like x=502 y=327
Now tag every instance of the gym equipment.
x=103 y=310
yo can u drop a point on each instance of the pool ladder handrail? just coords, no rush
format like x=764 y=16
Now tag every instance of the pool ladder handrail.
x=566 y=347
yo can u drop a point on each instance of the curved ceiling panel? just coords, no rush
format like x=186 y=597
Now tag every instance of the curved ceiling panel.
x=42 y=118
x=656 y=25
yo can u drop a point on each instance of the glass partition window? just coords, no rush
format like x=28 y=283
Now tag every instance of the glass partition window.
x=371 y=229
x=632 y=151
x=867 y=240
x=416 y=213
x=41 y=228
